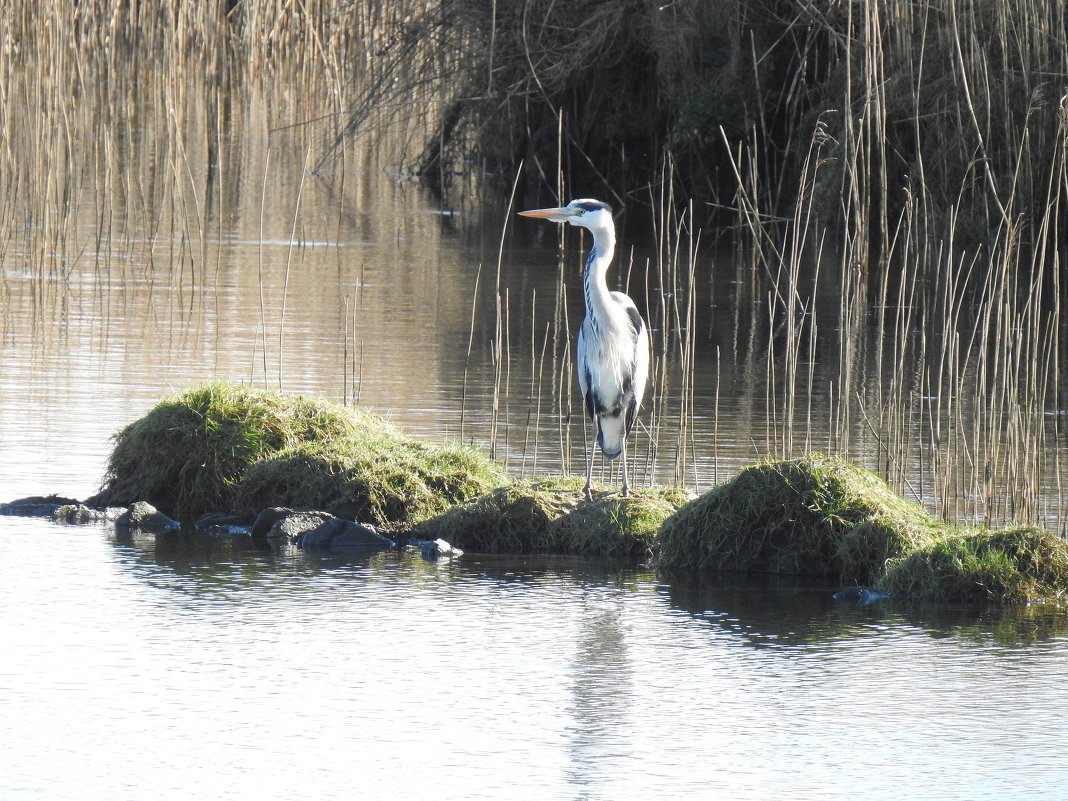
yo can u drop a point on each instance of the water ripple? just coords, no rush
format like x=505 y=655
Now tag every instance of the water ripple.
x=189 y=668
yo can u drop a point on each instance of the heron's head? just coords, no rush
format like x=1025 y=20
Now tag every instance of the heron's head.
x=591 y=214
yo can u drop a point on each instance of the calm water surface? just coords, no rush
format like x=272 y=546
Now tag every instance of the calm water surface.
x=184 y=668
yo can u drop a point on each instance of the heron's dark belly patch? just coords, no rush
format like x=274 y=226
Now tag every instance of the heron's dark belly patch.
x=607 y=409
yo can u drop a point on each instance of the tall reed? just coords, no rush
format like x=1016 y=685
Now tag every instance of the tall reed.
x=949 y=330
x=892 y=175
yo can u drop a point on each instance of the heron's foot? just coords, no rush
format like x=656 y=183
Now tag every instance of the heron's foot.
x=626 y=491
x=589 y=493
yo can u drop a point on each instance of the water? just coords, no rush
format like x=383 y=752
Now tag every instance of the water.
x=190 y=667
x=185 y=668
x=451 y=317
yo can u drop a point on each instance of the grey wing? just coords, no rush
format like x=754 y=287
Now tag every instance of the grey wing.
x=640 y=363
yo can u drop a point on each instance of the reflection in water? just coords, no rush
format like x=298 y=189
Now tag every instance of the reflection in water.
x=789 y=611
x=760 y=611
x=223 y=669
x=603 y=705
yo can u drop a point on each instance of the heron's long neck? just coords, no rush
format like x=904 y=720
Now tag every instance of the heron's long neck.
x=594 y=283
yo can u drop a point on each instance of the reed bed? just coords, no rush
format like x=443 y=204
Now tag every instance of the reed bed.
x=872 y=193
x=947 y=255
x=902 y=162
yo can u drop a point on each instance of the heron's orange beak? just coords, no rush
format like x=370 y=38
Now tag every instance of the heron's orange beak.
x=556 y=215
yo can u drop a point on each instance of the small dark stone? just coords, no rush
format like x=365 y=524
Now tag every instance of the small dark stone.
x=144 y=516
x=222 y=525
x=333 y=532
x=316 y=529
x=36 y=506
x=360 y=535
x=438 y=549
x=80 y=514
x=266 y=520
x=312 y=534
x=295 y=524
x=860 y=595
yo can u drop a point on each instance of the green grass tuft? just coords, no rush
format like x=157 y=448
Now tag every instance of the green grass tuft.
x=223 y=447
x=187 y=455
x=810 y=516
x=1020 y=564
x=374 y=476
x=823 y=516
x=552 y=516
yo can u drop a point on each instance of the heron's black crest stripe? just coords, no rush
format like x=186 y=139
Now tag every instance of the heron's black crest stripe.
x=587 y=289
x=594 y=205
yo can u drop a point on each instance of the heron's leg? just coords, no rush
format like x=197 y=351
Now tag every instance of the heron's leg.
x=626 y=485
x=589 y=458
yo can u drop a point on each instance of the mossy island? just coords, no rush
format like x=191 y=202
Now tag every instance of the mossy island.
x=823 y=516
x=234 y=449
x=237 y=450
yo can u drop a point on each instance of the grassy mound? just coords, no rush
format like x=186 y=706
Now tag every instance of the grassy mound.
x=811 y=516
x=822 y=516
x=188 y=453
x=370 y=475
x=1022 y=564
x=552 y=516
x=193 y=454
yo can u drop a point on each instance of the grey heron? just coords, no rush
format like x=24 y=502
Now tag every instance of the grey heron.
x=613 y=341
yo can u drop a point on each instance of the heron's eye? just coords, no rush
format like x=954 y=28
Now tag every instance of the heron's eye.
x=580 y=212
